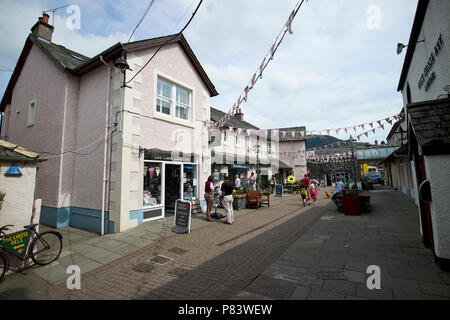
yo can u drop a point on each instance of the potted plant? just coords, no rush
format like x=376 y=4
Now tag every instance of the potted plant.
x=240 y=199
x=351 y=202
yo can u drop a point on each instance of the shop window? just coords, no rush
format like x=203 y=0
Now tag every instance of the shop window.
x=173 y=100
x=152 y=185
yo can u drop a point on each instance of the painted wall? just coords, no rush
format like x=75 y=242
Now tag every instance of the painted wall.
x=40 y=80
x=148 y=129
x=298 y=163
x=438 y=173
x=17 y=208
x=436 y=22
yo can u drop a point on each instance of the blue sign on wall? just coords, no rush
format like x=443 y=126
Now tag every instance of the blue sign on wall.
x=13 y=171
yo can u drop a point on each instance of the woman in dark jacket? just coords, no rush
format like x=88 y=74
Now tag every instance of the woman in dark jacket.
x=209 y=197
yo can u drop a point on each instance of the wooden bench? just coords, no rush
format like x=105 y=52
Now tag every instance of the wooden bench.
x=253 y=199
x=264 y=198
x=256 y=199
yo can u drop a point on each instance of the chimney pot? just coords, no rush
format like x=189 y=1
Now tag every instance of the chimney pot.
x=42 y=28
x=45 y=18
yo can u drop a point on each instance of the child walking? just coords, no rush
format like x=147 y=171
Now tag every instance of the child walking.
x=313 y=192
x=303 y=193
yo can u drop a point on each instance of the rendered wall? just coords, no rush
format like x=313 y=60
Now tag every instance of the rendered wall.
x=436 y=22
x=438 y=173
x=40 y=80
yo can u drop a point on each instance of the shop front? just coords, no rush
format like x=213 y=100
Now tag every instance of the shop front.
x=167 y=178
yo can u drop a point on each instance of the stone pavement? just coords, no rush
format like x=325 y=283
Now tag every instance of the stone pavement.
x=126 y=256
x=330 y=260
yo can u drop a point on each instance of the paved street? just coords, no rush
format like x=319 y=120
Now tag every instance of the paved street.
x=282 y=252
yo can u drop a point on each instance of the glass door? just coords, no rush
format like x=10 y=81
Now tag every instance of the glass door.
x=190 y=182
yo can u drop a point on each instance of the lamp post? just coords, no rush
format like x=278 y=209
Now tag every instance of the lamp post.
x=354 y=158
x=257 y=167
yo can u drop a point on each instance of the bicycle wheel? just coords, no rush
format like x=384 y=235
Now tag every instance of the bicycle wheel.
x=3 y=265
x=46 y=248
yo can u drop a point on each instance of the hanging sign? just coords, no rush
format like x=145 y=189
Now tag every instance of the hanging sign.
x=16 y=243
x=182 y=218
x=13 y=171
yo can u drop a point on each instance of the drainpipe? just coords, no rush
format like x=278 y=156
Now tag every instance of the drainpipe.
x=107 y=127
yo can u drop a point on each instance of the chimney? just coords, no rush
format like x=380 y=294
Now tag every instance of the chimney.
x=42 y=29
x=239 y=115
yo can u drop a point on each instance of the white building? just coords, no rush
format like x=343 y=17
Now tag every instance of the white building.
x=425 y=86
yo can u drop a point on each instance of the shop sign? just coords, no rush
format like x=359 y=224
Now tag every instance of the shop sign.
x=241 y=166
x=279 y=190
x=182 y=218
x=170 y=156
x=423 y=78
x=16 y=243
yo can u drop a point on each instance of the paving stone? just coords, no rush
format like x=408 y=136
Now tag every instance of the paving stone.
x=375 y=294
x=272 y=288
x=435 y=289
x=355 y=276
x=300 y=293
x=340 y=286
x=324 y=295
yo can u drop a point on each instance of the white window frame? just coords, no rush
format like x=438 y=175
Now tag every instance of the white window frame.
x=225 y=135
x=172 y=117
x=269 y=147
x=31 y=113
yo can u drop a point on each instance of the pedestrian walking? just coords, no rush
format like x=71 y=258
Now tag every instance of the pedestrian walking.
x=209 y=197
x=252 y=181
x=227 y=199
x=237 y=182
x=303 y=193
x=306 y=182
x=273 y=182
x=313 y=192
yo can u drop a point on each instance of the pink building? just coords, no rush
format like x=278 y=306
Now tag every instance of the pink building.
x=118 y=156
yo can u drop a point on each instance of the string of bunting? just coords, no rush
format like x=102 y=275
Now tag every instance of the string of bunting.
x=302 y=133
x=287 y=27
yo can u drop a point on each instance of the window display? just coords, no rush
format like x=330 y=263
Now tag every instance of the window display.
x=190 y=182
x=152 y=184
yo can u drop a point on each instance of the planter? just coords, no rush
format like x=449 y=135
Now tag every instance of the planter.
x=240 y=202
x=351 y=202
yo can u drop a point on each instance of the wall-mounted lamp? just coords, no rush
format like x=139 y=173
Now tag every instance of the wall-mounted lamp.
x=123 y=66
x=401 y=46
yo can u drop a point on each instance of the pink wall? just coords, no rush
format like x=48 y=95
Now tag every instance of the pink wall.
x=90 y=124
x=41 y=80
x=298 y=164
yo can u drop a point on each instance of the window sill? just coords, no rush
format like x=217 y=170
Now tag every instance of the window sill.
x=185 y=123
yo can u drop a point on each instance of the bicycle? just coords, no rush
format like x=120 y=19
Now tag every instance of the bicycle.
x=42 y=248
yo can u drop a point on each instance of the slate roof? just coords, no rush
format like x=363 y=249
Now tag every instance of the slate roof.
x=67 y=59
x=12 y=152
x=234 y=122
x=430 y=121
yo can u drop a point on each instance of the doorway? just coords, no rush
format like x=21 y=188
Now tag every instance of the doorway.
x=172 y=188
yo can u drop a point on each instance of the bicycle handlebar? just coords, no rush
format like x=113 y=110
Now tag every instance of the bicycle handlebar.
x=5 y=228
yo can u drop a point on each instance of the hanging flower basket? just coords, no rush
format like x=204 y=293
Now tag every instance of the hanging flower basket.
x=291 y=179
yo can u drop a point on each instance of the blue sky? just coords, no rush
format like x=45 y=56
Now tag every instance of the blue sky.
x=333 y=71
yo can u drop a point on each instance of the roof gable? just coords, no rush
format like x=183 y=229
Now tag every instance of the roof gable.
x=176 y=38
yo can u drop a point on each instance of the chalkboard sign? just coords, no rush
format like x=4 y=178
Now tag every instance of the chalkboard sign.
x=182 y=219
x=279 y=190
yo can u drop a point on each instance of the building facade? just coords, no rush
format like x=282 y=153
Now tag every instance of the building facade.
x=121 y=143
x=425 y=87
